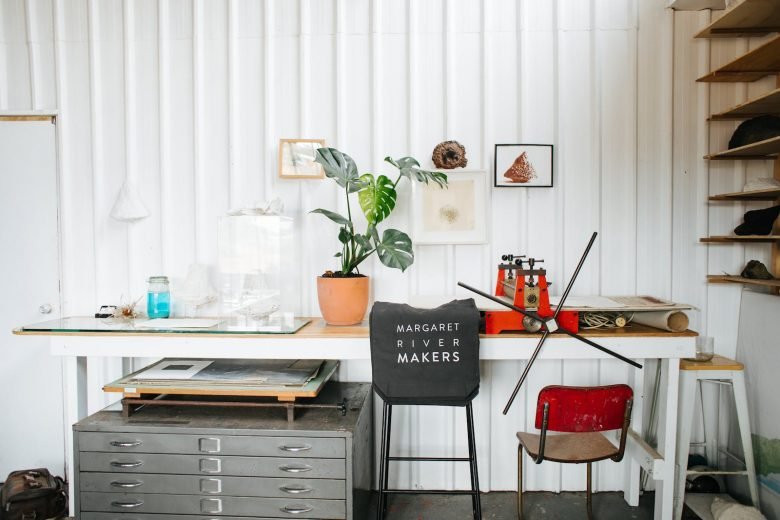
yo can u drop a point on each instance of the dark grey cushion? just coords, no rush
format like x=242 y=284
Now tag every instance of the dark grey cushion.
x=425 y=356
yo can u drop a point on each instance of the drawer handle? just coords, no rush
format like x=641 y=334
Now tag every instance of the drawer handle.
x=289 y=468
x=126 y=464
x=295 y=449
x=293 y=510
x=128 y=505
x=127 y=483
x=296 y=490
x=125 y=444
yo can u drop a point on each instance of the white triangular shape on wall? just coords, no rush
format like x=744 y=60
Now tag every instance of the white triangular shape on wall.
x=128 y=206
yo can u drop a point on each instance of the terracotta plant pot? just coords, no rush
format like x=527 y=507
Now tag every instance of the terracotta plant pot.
x=343 y=301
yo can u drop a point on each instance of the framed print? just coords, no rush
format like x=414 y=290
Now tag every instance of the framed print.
x=523 y=166
x=453 y=215
x=296 y=159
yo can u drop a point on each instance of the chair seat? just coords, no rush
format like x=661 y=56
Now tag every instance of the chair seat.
x=570 y=447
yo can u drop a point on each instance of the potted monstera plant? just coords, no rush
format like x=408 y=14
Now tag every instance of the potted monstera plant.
x=343 y=294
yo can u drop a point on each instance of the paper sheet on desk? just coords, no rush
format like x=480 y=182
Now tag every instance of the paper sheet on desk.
x=595 y=302
x=635 y=303
x=178 y=323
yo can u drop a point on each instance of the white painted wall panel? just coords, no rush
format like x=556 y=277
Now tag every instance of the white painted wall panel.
x=190 y=97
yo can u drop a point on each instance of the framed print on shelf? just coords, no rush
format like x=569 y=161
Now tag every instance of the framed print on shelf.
x=523 y=166
x=296 y=159
x=453 y=215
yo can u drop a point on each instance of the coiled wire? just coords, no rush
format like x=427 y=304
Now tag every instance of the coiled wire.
x=604 y=320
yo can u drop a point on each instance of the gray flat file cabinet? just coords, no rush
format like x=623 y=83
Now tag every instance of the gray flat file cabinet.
x=207 y=463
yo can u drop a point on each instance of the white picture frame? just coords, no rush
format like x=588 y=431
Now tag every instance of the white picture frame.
x=457 y=214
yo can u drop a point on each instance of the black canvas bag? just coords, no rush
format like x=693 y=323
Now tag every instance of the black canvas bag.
x=425 y=356
x=33 y=494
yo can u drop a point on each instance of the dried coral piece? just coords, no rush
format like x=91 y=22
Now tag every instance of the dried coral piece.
x=521 y=170
x=449 y=155
x=127 y=311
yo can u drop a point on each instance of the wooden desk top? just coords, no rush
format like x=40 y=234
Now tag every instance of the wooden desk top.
x=318 y=329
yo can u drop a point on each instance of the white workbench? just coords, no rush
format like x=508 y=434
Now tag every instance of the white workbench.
x=318 y=341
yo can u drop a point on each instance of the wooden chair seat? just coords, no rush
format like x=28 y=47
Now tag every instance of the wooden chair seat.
x=570 y=447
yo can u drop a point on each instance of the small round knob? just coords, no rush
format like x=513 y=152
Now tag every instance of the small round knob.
x=45 y=308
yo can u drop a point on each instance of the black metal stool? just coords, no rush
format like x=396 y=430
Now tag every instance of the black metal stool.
x=384 y=470
x=399 y=381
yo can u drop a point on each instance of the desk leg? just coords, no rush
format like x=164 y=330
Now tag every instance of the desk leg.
x=667 y=442
x=632 y=467
x=74 y=401
x=688 y=384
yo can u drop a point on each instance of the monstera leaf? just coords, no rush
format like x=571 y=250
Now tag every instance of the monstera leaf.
x=377 y=198
x=395 y=249
x=410 y=168
x=335 y=217
x=340 y=167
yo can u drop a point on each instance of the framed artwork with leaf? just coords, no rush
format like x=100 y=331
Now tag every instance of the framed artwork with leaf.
x=297 y=159
x=456 y=215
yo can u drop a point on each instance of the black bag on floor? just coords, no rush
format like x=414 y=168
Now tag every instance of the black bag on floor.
x=33 y=494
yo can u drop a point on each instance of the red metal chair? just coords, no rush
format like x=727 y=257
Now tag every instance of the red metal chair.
x=581 y=414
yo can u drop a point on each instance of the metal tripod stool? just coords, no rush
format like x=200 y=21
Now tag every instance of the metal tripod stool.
x=722 y=371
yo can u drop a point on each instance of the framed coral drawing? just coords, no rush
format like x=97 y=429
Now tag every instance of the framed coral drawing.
x=296 y=159
x=453 y=215
x=523 y=166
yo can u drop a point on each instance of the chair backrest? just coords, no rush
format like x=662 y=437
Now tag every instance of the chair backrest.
x=582 y=408
x=425 y=356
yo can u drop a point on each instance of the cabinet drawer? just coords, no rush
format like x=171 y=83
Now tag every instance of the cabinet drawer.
x=135 y=516
x=251 y=446
x=204 y=465
x=300 y=488
x=200 y=505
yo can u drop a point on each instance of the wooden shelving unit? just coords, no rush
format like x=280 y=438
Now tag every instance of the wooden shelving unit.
x=715 y=278
x=746 y=19
x=769 y=103
x=750 y=196
x=749 y=18
x=745 y=238
x=761 y=61
x=761 y=150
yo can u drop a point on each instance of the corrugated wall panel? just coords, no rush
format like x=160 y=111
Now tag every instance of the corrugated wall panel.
x=189 y=98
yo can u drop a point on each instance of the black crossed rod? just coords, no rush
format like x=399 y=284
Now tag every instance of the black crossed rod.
x=545 y=323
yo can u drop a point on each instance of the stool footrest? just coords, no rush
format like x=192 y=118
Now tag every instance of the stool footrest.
x=430 y=492
x=716 y=472
x=430 y=459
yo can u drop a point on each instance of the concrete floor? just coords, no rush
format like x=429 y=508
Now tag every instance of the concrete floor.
x=502 y=506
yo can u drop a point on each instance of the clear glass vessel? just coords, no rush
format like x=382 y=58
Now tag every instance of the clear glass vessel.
x=158 y=297
x=256 y=278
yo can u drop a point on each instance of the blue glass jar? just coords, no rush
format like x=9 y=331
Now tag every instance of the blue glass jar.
x=158 y=297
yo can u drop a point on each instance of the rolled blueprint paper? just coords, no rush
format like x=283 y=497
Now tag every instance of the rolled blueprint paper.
x=673 y=321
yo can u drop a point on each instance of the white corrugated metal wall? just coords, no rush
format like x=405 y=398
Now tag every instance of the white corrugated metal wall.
x=189 y=98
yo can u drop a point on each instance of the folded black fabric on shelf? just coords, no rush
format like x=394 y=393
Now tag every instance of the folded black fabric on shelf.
x=758 y=221
x=754 y=130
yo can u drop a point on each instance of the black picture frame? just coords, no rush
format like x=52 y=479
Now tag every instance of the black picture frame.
x=539 y=162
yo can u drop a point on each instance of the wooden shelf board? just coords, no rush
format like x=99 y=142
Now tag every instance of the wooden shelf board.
x=766 y=149
x=754 y=65
x=748 y=18
x=767 y=194
x=768 y=103
x=715 y=278
x=745 y=238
